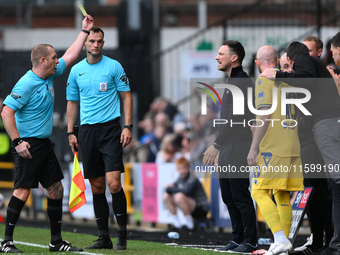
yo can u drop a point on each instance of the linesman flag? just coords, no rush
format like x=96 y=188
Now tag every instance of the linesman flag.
x=77 y=192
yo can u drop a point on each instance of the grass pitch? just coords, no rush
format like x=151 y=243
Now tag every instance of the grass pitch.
x=36 y=240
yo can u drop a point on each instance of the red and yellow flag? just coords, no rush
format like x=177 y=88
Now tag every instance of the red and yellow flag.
x=77 y=192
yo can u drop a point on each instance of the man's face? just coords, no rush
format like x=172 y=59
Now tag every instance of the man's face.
x=50 y=62
x=313 y=51
x=335 y=53
x=224 y=58
x=94 y=44
x=285 y=66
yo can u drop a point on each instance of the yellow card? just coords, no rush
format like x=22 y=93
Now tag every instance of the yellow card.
x=81 y=7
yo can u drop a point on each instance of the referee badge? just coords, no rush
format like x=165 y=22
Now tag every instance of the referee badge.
x=52 y=91
x=103 y=86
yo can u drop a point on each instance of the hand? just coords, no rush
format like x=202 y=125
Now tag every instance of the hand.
x=73 y=142
x=335 y=76
x=22 y=150
x=332 y=72
x=126 y=137
x=216 y=159
x=209 y=155
x=269 y=73
x=87 y=23
x=168 y=185
x=252 y=157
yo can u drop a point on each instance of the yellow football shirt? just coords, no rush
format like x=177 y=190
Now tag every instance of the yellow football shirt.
x=281 y=138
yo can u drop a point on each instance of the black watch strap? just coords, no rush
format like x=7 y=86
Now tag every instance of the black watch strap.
x=17 y=141
x=85 y=31
x=217 y=146
x=129 y=126
x=69 y=133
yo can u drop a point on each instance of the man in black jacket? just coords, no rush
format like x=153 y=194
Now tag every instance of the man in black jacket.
x=319 y=210
x=231 y=147
x=324 y=107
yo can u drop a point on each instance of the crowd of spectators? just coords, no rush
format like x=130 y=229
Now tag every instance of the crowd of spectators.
x=167 y=134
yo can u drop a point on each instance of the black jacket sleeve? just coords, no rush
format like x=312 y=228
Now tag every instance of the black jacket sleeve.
x=304 y=67
x=188 y=189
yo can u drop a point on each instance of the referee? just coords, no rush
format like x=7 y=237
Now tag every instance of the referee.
x=96 y=83
x=28 y=119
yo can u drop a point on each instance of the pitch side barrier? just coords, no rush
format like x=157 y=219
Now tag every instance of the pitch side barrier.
x=149 y=180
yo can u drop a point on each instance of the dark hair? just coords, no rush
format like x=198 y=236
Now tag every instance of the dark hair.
x=296 y=49
x=237 y=48
x=312 y=38
x=336 y=40
x=95 y=29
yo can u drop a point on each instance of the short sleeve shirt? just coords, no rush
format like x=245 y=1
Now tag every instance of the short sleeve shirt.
x=281 y=138
x=32 y=99
x=97 y=86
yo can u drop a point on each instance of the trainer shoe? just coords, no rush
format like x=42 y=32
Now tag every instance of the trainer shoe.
x=308 y=243
x=229 y=246
x=9 y=247
x=121 y=240
x=101 y=243
x=64 y=246
x=277 y=248
x=244 y=247
x=309 y=249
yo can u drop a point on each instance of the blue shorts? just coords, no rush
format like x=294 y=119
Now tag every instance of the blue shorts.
x=101 y=149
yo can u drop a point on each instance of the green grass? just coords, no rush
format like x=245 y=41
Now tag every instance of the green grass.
x=42 y=237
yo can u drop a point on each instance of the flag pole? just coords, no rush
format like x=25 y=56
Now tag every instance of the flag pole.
x=77 y=192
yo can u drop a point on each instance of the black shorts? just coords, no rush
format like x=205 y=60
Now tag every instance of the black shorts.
x=43 y=167
x=199 y=212
x=101 y=149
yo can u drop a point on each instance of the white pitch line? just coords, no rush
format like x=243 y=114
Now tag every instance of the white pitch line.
x=209 y=248
x=45 y=246
x=202 y=245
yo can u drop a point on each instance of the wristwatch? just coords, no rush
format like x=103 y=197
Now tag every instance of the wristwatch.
x=217 y=146
x=17 y=141
x=129 y=126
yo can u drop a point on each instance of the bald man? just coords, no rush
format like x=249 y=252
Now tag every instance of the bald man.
x=274 y=145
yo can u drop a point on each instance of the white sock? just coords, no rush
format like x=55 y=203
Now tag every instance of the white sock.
x=175 y=221
x=189 y=222
x=280 y=237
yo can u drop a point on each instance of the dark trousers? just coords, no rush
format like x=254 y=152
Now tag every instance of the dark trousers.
x=327 y=138
x=336 y=215
x=319 y=210
x=236 y=195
